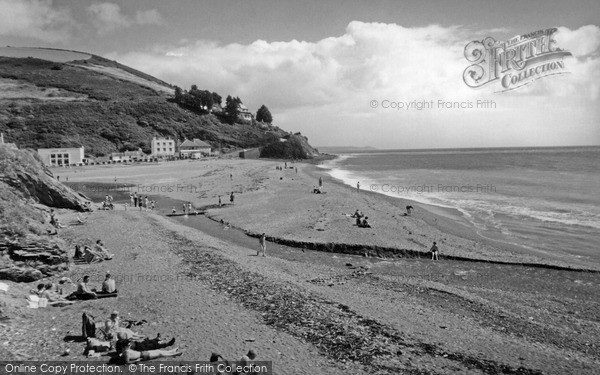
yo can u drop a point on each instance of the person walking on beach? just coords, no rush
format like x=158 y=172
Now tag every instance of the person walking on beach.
x=320 y=181
x=184 y=208
x=231 y=198
x=135 y=199
x=434 y=252
x=219 y=201
x=263 y=245
x=357 y=186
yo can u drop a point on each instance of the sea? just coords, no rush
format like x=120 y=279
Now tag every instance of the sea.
x=542 y=199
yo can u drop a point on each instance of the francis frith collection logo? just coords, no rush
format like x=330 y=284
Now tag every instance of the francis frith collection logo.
x=514 y=63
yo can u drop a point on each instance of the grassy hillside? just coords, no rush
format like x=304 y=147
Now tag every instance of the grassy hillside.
x=74 y=105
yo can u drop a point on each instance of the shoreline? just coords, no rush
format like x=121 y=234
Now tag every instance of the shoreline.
x=265 y=190
x=452 y=221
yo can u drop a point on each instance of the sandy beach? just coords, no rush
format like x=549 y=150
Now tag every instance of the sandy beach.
x=483 y=308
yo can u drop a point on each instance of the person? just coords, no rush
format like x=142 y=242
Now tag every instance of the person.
x=54 y=221
x=126 y=205
x=52 y=297
x=365 y=223
x=358 y=186
x=357 y=213
x=109 y=284
x=146 y=344
x=285 y=163
x=153 y=205
x=434 y=251
x=320 y=181
x=84 y=291
x=114 y=331
x=78 y=252
x=409 y=210
x=146 y=206
x=189 y=206
x=132 y=203
x=129 y=355
x=184 y=207
x=358 y=221
x=263 y=245
x=231 y=198
x=173 y=211
x=39 y=291
x=101 y=251
x=219 y=201
x=135 y=199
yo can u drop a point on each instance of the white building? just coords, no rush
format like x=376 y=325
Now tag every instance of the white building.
x=62 y=156
x=244 y=113
x=162 y=147
x=194 y=149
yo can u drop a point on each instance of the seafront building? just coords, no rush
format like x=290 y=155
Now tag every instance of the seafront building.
x=162 y=147
x=62 y=156
x=194 y=149
x=127 y=156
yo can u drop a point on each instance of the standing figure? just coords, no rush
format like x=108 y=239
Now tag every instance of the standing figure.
x=231 y=198
x=434 y=252
x=263 y=245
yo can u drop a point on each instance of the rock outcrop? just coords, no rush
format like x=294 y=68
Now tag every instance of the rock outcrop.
x=27 y=191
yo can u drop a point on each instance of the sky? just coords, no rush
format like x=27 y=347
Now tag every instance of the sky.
x=337 y=71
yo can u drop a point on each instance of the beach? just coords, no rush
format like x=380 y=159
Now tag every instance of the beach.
x=330 y=297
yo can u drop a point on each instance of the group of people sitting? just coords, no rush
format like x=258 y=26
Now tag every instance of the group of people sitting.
x=108 y=203
x=128 y=345
x=96 y=254
x=361 y=220
x=51 y=293
x=84 y=291
x=317 y=189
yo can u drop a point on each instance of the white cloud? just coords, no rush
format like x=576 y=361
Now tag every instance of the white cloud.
x=38 y=19
x=336 y=77
x=107 y=17
x=581 y=42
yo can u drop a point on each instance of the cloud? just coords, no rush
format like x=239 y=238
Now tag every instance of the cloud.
x=107 y=17
x=148 y=17
x=38 y=19
x=581 y=42
x=335 y=78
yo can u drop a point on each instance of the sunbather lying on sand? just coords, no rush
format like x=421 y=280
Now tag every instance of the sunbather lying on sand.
x=100 y=346
x=130 y=355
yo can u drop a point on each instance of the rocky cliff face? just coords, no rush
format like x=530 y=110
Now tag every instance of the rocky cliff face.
x=27 y=191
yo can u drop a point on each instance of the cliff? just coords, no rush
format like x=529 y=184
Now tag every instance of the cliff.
x=28 y=248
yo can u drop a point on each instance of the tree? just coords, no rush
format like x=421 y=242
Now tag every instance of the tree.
x=264 y=115
x=232 y=109
x=178 y=94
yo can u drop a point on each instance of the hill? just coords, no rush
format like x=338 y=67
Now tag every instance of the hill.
x=104 y=106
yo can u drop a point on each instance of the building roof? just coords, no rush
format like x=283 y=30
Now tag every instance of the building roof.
x=195 y=143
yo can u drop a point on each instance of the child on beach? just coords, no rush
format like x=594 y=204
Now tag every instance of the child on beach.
x=434 y=251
